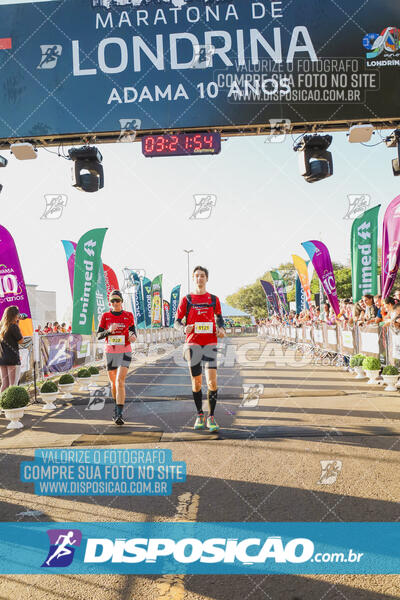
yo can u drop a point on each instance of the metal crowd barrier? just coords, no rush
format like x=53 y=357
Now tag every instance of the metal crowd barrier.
x=341 y=339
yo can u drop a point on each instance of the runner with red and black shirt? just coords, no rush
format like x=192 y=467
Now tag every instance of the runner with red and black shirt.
x=204 y=324
x=118 y=327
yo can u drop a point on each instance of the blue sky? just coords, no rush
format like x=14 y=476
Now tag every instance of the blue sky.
x=264 y=210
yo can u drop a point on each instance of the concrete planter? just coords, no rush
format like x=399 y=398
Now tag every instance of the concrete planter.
x=390 y=382
x=49 y=400
x=14 y=415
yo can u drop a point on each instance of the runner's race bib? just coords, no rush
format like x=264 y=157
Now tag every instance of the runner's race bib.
x=203 y=328
x=116 y=340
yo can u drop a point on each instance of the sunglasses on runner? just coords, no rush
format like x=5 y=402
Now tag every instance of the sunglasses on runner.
x=115 y=300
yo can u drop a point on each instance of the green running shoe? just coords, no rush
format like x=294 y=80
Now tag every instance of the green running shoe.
x=200 y=422
x=212 y=424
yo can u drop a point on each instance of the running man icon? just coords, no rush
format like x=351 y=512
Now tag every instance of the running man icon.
x=61 y=551
x=50 y=56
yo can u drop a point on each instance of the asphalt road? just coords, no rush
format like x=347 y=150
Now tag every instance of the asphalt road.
x=264 y=466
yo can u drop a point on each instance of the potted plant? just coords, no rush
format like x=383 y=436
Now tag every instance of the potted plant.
x=84 y=377
x=94 y=374
x=372 y=367
x=390 y=376
x=13 y=401
x=356 y=362
x=66 y=384
x=48 y=393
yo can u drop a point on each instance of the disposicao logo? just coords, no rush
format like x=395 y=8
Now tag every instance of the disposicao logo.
x=62 y=547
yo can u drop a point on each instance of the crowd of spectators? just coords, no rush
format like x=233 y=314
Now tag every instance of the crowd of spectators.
x=53 y=328
x=369 y=310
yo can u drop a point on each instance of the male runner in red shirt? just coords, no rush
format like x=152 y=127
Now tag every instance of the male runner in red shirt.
x=118 y=326
x=199 y=310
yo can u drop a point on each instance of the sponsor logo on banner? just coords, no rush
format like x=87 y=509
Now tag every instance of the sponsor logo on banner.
x=62 y=547
x=386 y=46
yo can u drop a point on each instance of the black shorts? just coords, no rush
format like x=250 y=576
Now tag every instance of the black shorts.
x=195 y=355
x=118 y=359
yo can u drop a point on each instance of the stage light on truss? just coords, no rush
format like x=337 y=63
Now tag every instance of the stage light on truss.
x=315 y=162
x=23 y=151
x=87 y=172
x=393 y=141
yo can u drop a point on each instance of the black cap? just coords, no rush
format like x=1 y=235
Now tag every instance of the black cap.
x=116 y=294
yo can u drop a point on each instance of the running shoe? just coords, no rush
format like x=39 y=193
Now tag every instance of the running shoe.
x=200 y=422
x=119 y=421
x=212 y=424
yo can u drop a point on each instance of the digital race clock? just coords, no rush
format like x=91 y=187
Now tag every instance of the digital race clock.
x=181 y=144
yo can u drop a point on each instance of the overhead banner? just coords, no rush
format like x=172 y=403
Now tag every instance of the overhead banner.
x=70 y=249
x=301 y=267
x=140 y=320
x=156 y=302
x=390 y=246
x=12 y=285
x=321 y=259
x=87 y=264
x=364 y=254
x=239 y=63
x=147 y=301
x=175 y=297
x=271 y=296
x=166 y=312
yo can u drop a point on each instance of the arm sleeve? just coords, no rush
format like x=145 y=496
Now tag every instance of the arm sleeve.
x=180 y=314
x=102 y=333
x=218 y=312
x=132 y=327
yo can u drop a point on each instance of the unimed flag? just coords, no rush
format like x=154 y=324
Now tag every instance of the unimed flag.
x=364 y=254
x=319 y=254
x=87 y=264
x=12 y=284
x=390 y=246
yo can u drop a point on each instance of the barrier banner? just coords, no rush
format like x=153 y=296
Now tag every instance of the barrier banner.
x=346 y=339
x=390 y=246
x=87 y=264
x=364 y=254
x=320 y=257
x=56 y=354
x=12 y=284
x=175 y=297
x=370 y=342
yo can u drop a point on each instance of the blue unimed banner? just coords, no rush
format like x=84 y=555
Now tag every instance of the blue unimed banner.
x=209 y=548
x=117 y=66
